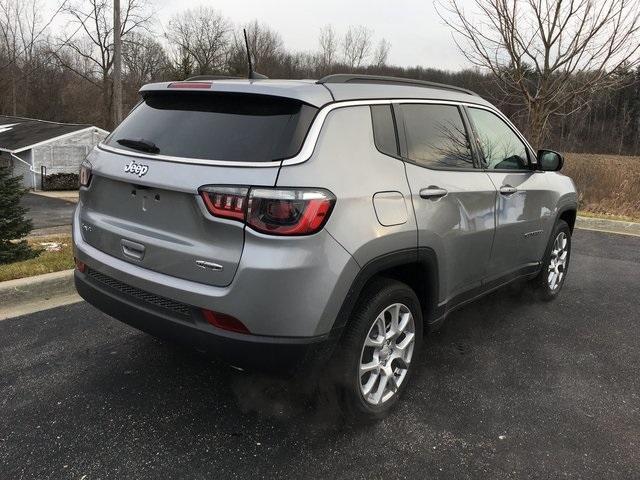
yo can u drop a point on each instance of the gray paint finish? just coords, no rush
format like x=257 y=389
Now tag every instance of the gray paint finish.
x=175 y=231
x=295 y=286
x=459 y=227
x=162 y=211
x=391 y=208
x=346 y=162
x=524 y=220
x=313 y=276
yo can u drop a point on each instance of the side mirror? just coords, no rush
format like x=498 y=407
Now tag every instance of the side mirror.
x=549 y=161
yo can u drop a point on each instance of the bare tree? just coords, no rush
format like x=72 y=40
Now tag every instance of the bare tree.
x=547 y=54
x=356 y=46
x=328 y=47
x=20 y=27
x=265 y=45
x=91 y=56
x=203 y=35
x=381 y=55
x=144 y=58
x=182 y=63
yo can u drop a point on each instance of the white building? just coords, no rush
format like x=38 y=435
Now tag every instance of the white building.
x=32 y=147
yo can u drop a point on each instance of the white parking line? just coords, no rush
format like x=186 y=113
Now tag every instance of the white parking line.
x=607 y=231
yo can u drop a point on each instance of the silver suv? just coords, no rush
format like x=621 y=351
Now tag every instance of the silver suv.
x=329 y=222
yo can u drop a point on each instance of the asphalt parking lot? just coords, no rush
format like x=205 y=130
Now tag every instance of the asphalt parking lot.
x=45 y=212
x=509 y=388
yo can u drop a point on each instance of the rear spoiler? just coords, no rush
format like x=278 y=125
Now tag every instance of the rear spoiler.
x=305 y=91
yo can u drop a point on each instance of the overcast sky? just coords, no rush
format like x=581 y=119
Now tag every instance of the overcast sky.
x=414 y=29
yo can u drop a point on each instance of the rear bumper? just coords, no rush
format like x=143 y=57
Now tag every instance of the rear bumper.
x=188 y=327
x=283 y=286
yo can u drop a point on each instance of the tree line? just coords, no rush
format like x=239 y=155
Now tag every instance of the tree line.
x=66 y=76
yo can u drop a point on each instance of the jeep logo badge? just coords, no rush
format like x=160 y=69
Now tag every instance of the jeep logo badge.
x=136 y=169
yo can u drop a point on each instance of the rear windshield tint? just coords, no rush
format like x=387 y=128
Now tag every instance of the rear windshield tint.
x=230 y=127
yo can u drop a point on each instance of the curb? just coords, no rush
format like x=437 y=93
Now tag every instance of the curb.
x=66 y=195
x=604 y=225
x=46 y=231
x=14 y=293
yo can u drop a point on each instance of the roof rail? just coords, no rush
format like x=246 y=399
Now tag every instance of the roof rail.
x=212 y=77
x=355 y=78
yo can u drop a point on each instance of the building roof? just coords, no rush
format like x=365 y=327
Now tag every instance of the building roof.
x=324 y=91
x=18 y=134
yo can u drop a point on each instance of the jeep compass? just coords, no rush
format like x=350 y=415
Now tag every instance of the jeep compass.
x=328 y=223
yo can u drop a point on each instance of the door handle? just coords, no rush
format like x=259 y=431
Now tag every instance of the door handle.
x=433 y=192
x=508 y=190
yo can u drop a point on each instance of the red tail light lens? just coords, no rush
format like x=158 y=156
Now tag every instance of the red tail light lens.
x=288 y=212
x=80 y=266
x=274 y=211
x=226 y=322
x=225 y=202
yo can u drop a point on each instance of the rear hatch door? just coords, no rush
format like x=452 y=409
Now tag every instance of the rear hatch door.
x=142 y=204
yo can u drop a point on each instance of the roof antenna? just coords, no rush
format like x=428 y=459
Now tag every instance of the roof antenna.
x=252 y=75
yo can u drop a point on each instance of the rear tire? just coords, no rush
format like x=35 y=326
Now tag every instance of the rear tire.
x=377 y=353
x=555 y=264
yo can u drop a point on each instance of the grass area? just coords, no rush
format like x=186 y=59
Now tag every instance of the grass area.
x=56 y=255
x=621 y=218
x=608 y=185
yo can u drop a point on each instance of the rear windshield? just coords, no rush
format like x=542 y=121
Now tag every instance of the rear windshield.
x=228 y=126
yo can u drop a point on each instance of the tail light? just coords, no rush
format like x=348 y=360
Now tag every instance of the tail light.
x=85 y=174
x=288 y=212
x=225 y=322
x=226 y=202
x=80 y=266
x=274 y=211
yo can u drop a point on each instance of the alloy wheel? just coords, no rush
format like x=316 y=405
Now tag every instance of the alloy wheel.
x=558 y=262
x=386 y=354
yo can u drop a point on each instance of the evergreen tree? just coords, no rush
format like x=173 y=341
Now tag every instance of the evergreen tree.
x=13 y=226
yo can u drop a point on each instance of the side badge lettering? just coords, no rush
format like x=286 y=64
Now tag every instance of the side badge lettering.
x=531 y=234
x=209 y=265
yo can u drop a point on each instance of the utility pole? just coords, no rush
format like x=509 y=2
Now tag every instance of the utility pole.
x=117 y=65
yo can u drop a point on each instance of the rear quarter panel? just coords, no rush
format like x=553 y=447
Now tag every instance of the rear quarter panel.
x=346 y=162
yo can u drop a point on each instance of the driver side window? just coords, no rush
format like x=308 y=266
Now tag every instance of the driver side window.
x=501 y=148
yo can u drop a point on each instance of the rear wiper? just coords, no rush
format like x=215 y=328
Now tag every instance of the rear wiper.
x=139 y=144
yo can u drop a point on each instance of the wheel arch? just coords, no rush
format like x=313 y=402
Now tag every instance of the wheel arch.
x=568 y=214
x=417 y=267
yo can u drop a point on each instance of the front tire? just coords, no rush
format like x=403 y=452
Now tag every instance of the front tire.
x=378 y=350
x=555 y=264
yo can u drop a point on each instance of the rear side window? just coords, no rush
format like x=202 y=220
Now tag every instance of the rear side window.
x=384 y=131
x=436 y=136
x=225 y=126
